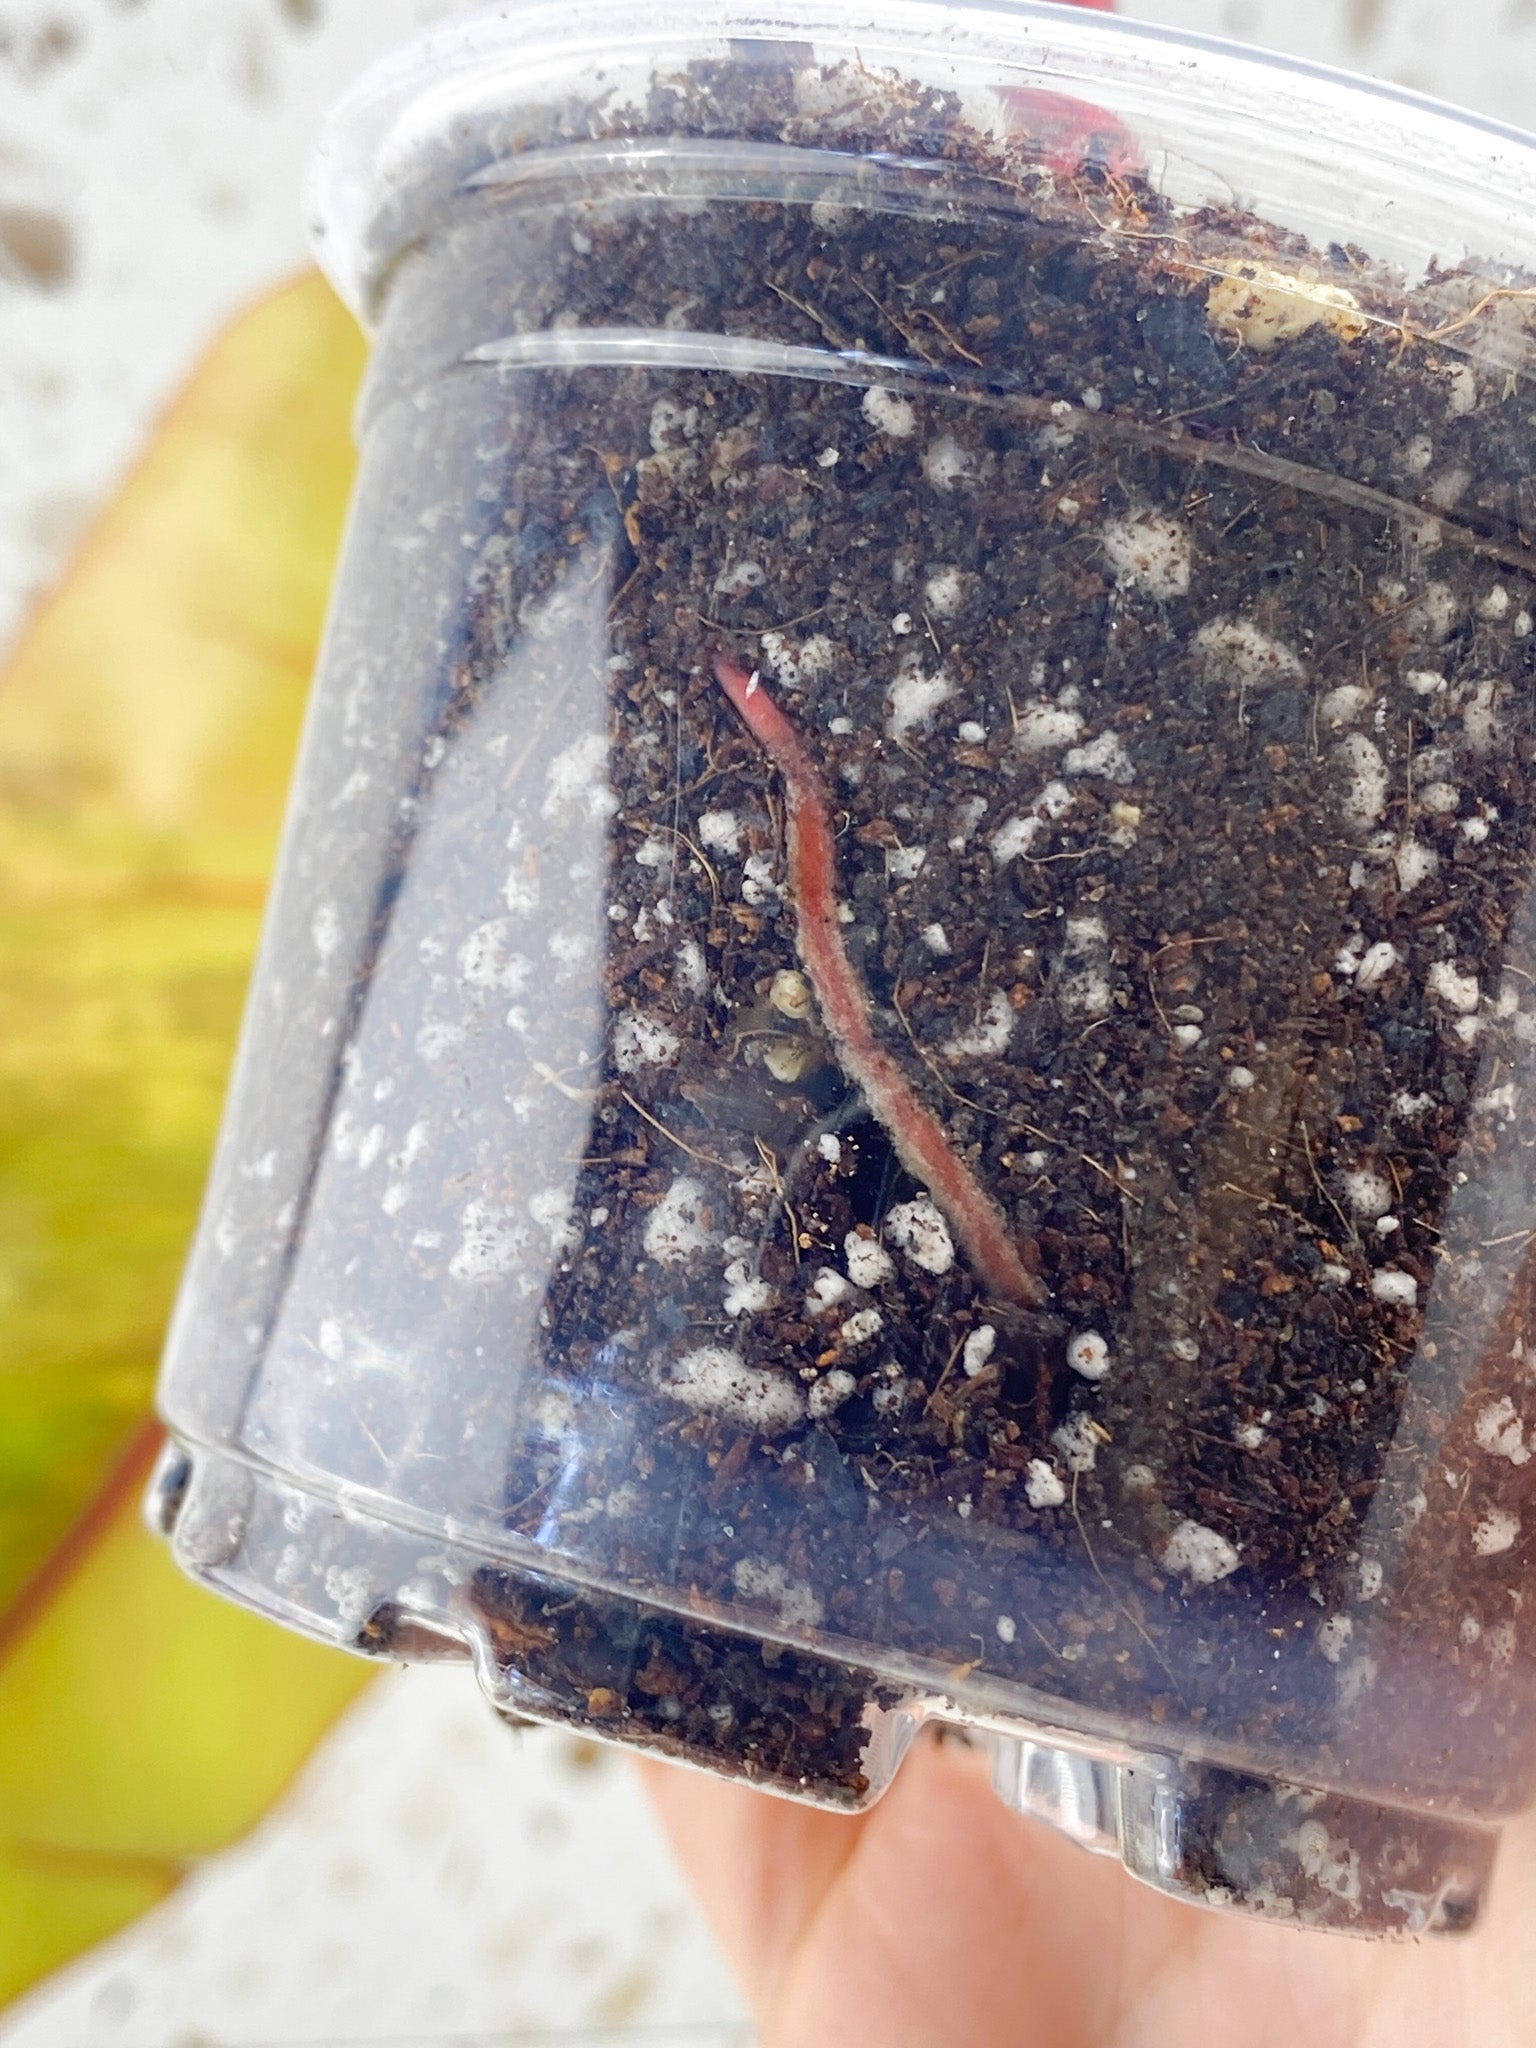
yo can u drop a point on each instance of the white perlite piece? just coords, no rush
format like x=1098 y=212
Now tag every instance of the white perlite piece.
x=989 y=1037
x=1459 y=990
x=1078 y=1441
x=743 y=1295
x=1495 y=1533
x=914 y=697
x=869 y=1263
x=1500 y=1432
x=1415 y=863
x=946 y=463
x=1240 y=652
x=1017 y=835
x=944 y=591
x=1395 y=1288
x=675 y=1229
x=577 y=777
x=978 y=1349
x=325 y=931
x=936 y=939
x=1365 y=790
x=719 y=831
x=830 y=1392
x=1006 y=1631
x=1104 y=757
x=1376 y=963
x=485 y=960
x=1368 y=1192
x=797 y=1606
x=722 y=1383
x=862 y=1327
x=828 y=1290
x=1043 y=726
x=1150 y=552
x=1088 y=1354
x=642 y=1041
x=1201 y=1554
x=918 y=1229
x=490 y=1239
x=888 y=413
x=1333 y=1636
x=1042 y=1485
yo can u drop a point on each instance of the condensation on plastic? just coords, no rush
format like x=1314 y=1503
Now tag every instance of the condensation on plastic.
x=345 y=1422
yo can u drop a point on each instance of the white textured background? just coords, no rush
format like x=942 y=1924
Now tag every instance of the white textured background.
x=433 y=1878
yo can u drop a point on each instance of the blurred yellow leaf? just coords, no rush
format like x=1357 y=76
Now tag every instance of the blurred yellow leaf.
x=147 y=725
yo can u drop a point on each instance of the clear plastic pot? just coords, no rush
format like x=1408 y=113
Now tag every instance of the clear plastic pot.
x=891 y=1072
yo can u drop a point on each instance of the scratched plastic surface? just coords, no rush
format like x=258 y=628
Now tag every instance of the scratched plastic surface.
x=633 y=1260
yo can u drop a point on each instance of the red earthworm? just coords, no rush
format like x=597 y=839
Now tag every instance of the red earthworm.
x=915 y=1132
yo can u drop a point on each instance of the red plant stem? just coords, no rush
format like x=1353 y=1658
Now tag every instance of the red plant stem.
x=916 y=1133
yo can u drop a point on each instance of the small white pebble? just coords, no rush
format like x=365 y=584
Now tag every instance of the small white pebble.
x=1187 y=1036
x=1006 y=1631
x=1397 y=1290
x=1385 y=1225
x=936 y=939
x=1042 y=1485
x=830 y=1148
x=905 y=863
x=901 y=625
x=1202 y=1554
x=1495 y=1533
x=827 y=459
x=1475 y=829
x=970 y=732
x=977 y=1349
x=1333 y=1274
x=1240 y=1078
x=1088 y=1354
x=1249 y=1437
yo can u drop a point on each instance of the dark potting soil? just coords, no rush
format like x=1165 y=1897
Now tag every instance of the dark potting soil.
x=1162 y=644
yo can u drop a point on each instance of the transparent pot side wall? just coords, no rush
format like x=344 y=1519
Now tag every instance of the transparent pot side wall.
x=595 y=1269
